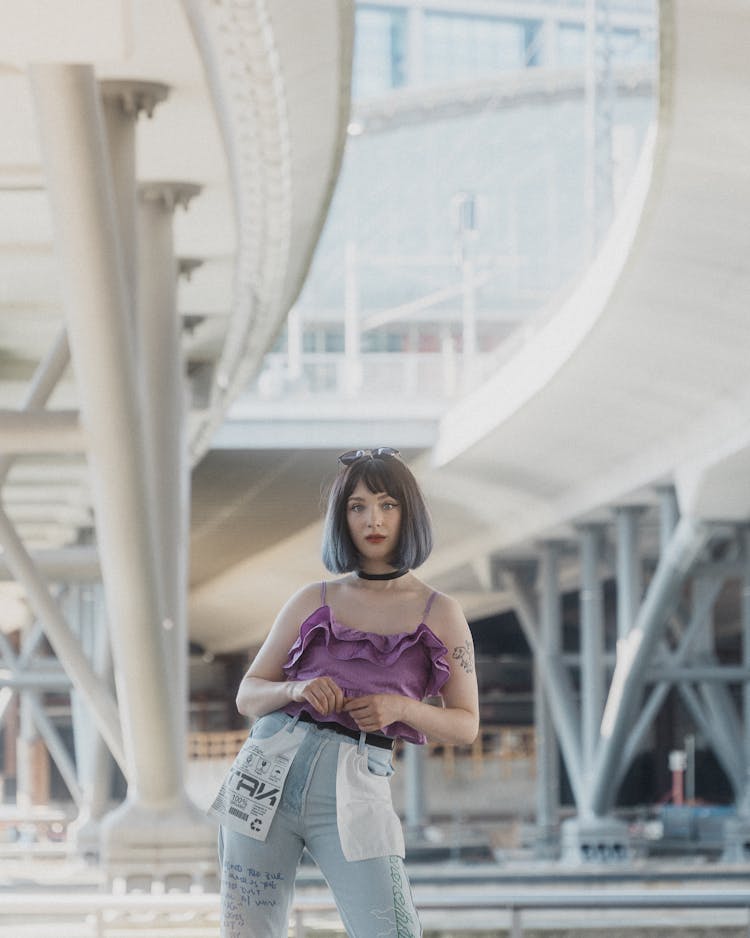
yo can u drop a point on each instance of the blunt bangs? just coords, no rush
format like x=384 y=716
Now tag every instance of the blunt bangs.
x=379 y=475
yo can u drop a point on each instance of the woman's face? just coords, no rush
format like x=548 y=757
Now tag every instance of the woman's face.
x=374 y=520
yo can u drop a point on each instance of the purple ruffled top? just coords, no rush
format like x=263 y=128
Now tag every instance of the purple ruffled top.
x=409 y=663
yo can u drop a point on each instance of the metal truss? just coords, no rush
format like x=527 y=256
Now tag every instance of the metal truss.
x=664 y=640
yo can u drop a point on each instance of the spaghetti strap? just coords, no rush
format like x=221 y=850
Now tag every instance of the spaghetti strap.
x=430 y=601
x=323 y=586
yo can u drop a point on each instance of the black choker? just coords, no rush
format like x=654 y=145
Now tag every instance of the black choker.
x=382 y=576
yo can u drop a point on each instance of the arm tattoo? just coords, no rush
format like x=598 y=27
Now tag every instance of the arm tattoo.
x=464 y=656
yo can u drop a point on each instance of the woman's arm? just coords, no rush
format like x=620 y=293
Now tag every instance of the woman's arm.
x=458 y=720
x=264 y=688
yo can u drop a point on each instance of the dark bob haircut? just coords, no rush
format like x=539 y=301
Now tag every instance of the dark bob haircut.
x=379 y=474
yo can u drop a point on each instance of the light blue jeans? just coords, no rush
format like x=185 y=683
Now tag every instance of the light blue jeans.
x=257 y=877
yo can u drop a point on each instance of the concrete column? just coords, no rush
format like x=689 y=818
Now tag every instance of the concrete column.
x=123 y=102
x=165 y=415
x=156 y=821
x=100 y=335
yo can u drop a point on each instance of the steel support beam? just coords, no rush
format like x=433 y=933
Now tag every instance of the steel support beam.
x=634 y=653
x=671 y=671
x=29 y=642
x=102 y=346
x=547 y=757
x=44 y=382
x=669 y=515
x=706 y=723
x=592 y=643
x=40 y=431
x=744 y=803
x=79 y=563
x=64 y=643
x=55 y=747
x=35 y=680
x=165 y=417
x=93 y=761
x=27 y=735
x=710 y=701
x=629 y=576
x=556 y=682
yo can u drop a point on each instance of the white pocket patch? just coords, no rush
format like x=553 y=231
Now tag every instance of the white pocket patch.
x=368 y=825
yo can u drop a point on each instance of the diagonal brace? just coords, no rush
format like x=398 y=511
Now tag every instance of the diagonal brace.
x=659 y=692
x=635 y=652
x=63 y=640
x=556 y=682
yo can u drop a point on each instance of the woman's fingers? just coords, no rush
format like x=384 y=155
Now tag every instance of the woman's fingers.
x=363 y=712
x=324 y=694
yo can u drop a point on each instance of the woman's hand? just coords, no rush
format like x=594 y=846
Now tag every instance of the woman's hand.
x=323 y=693
x=375 y=711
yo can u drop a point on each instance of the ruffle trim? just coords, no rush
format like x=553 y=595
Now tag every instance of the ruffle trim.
x=345 y=644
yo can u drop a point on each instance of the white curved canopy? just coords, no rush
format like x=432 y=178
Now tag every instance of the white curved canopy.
x=640 y=380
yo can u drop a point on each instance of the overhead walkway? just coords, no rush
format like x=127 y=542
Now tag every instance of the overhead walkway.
x=632 y=400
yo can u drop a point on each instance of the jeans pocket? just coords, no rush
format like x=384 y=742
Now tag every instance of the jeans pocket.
x=380 y=762
x=269 y=725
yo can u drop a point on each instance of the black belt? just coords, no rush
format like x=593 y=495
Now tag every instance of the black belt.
x=372 y=739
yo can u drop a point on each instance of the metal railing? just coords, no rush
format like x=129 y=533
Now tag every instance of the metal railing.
x=495 y=743
x=104 y=916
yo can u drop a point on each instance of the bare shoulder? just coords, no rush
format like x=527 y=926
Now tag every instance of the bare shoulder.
x=447 y=619
x=302 y=603
x=451 y=627
x=300 y=606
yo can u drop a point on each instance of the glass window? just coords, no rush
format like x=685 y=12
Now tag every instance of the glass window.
x=328 y=339
x=632 y=47
x=629 y=46
x=382 y=340
x=571 y=45
x=459 y=47
x=379 y=51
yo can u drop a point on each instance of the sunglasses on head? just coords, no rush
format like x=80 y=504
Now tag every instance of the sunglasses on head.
x=354 y=455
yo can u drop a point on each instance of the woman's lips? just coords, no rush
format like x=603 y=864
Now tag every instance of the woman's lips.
x=375 y=538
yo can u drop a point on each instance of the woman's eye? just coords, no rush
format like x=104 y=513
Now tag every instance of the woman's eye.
x=390 y=505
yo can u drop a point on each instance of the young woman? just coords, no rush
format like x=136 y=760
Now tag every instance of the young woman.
x=344 y=671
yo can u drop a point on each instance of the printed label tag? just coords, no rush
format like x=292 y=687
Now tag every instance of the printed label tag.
x=251 y=791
